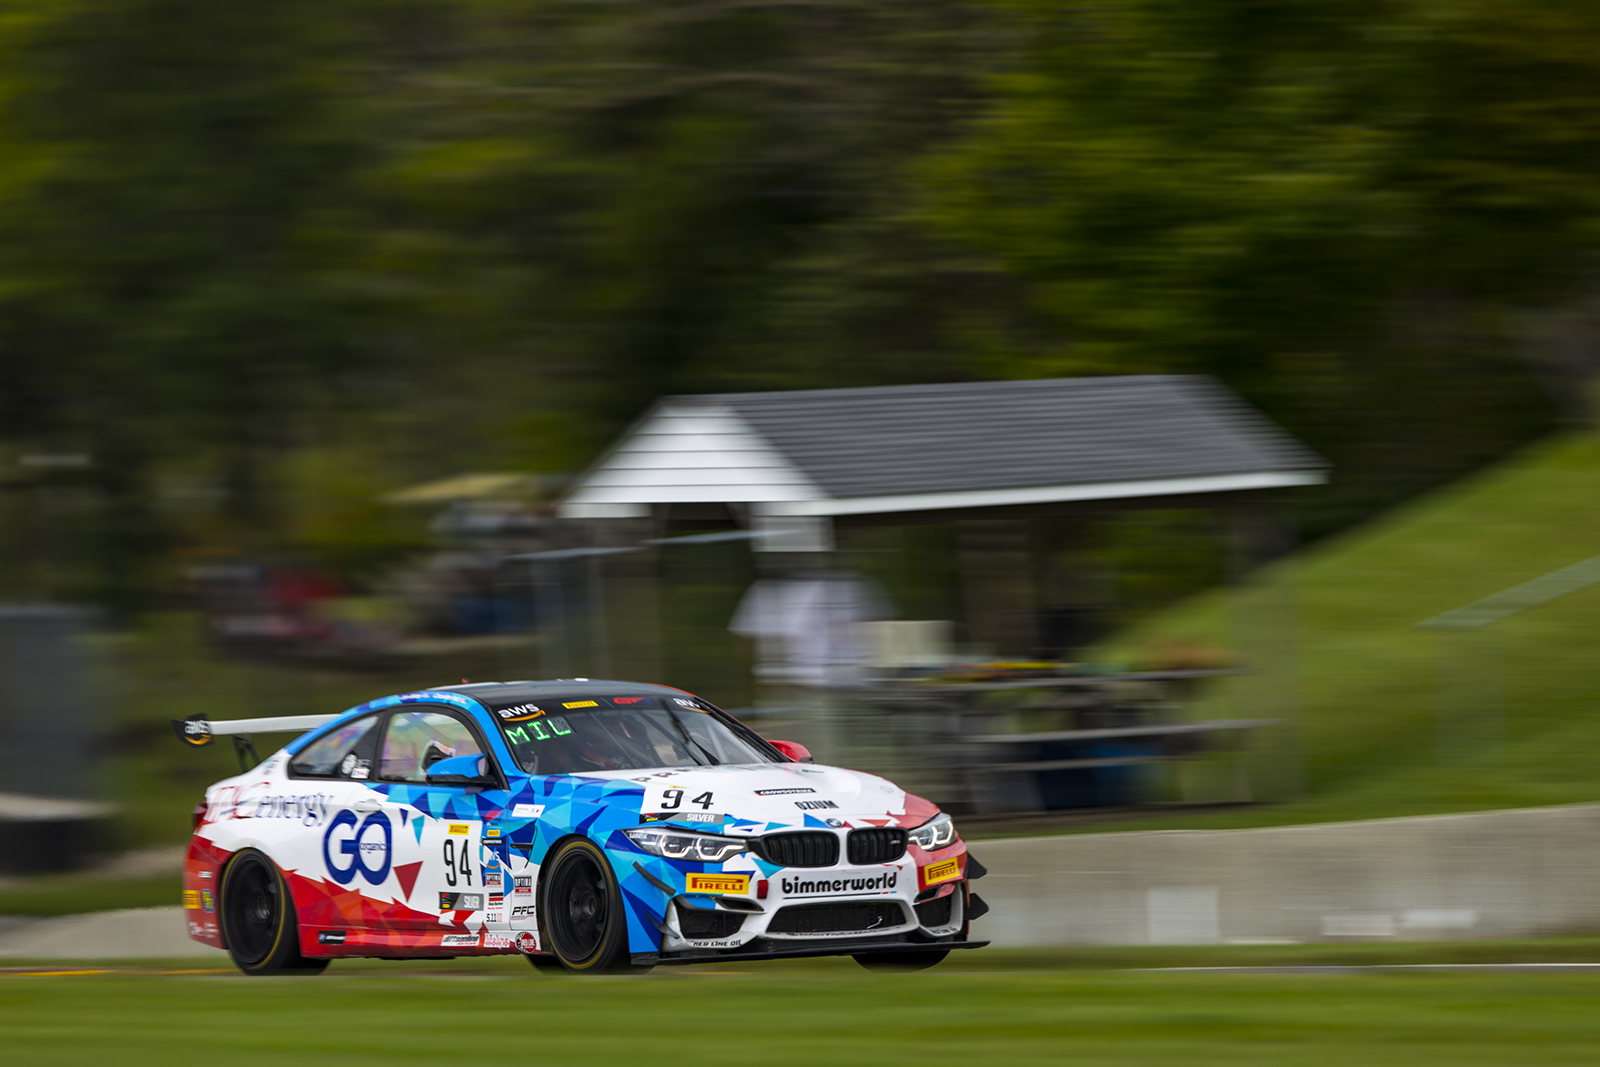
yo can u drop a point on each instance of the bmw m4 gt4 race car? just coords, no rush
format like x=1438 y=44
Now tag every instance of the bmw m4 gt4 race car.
x=590 y=825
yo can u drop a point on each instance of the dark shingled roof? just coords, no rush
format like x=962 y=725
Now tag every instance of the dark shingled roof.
x=897 y=439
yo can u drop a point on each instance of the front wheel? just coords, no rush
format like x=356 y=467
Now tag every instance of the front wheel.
x=258 y=920
x=901 y=961
x=581 y=910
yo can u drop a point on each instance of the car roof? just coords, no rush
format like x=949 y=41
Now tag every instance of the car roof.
x=499 y=694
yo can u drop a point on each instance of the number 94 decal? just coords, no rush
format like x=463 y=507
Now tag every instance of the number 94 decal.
x=673 y=799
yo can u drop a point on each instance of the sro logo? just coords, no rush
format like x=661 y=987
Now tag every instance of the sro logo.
x=368 y=851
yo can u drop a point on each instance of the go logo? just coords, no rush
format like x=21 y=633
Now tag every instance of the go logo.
x=368 y=851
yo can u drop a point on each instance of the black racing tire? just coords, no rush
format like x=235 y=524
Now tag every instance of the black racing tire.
x=902 y=961
x=258 y=919
x=580 y=910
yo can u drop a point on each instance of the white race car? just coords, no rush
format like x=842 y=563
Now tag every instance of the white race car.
x=589 y=825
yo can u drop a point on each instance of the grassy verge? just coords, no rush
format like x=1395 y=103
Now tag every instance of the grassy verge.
x=73 y=894
x=791 y=1017
x=1384 y=718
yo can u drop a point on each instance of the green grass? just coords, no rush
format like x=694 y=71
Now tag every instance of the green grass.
x=71 y=894
x=1059 y=958
x=1333 y=632
x=832 y=1014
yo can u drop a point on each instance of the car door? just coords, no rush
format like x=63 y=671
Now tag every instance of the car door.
x=456 y=882
x=326 y=826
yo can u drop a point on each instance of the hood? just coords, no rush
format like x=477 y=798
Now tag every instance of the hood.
x=759 y=797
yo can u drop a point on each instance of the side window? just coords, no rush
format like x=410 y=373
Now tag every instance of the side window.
x=344 y=752
x=416 y=740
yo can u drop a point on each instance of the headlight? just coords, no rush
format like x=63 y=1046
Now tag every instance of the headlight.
x=937 y=832
x=700 y=848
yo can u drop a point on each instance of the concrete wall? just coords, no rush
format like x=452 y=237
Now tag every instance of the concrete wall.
x=1498 y=874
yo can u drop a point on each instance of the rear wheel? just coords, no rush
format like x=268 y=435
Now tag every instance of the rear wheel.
x=902 y=961
x=258 y=920
x=581 y=910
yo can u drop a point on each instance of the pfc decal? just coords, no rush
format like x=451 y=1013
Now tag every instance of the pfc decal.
x=368 y=845
x=522 y=911
x=460 y=901
x=941 y=872
x=582 y=704
x=330 y=937
x=813 y=805
x=520 y=713
x=459 y=941
x=191 y=899
x=717 y=883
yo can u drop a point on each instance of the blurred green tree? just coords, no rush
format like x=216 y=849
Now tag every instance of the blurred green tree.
x=1344 y=209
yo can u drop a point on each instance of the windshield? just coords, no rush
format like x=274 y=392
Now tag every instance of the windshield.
x=624 y=733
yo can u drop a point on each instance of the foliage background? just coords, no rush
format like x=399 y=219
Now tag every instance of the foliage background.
x=262 y=263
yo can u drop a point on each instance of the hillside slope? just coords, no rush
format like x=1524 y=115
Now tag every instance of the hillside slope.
x=1369 y=684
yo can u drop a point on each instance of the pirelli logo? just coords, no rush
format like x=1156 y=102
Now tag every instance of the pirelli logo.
x=191 y=899
x=941 y=872
x=717 y=883
x=582 y=704
x=459 y=828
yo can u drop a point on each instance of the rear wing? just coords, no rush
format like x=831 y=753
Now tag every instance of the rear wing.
x=198 y=730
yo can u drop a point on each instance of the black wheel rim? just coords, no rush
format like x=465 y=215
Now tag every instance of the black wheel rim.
x=252 y=907
x=579 y=905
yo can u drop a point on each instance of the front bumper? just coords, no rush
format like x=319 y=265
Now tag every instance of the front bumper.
x=760 y=951
x=813 y=917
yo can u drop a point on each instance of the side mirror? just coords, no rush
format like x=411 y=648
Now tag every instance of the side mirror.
x=460 y=770
x=793 y=749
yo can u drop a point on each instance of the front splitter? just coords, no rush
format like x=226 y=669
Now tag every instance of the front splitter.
x=873 y=948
